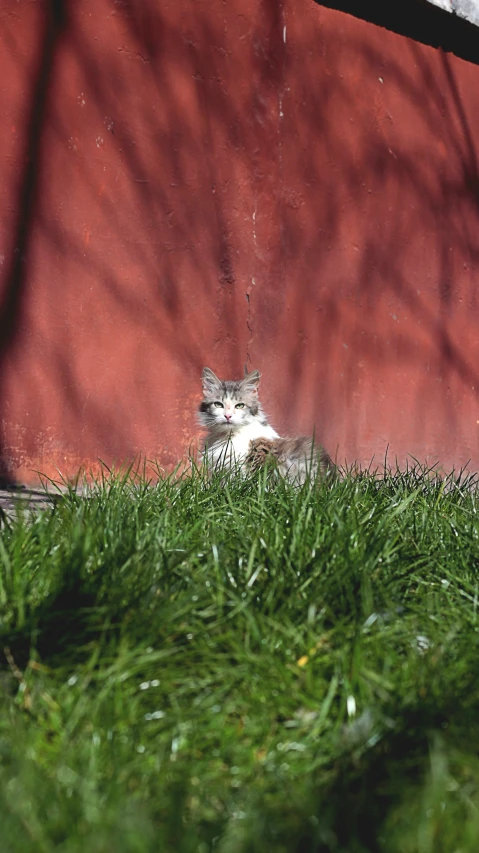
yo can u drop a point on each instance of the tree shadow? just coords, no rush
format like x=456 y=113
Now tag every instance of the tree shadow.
x=54 y=23
x=272 y=185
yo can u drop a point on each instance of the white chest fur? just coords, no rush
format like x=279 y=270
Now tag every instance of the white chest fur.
x=231 y=448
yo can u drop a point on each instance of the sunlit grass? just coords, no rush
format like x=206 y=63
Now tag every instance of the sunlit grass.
x=198 y=666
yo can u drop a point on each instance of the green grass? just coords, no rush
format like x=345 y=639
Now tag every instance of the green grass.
x=200 y=667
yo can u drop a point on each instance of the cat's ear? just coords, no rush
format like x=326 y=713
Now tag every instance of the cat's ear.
x=210 y=381
x=251 y=381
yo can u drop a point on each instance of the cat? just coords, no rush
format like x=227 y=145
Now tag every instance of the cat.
x=233 y=417
x=240 y=437
x=295 y=459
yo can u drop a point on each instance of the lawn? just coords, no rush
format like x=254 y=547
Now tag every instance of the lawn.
x=195 y=667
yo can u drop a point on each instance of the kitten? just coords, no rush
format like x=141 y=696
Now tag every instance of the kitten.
x=295 y=459
x=232 y=416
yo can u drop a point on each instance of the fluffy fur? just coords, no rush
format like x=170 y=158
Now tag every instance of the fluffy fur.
x=296 y=459
x=232 y=416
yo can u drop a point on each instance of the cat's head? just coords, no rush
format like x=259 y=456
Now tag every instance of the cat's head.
x=229 y=404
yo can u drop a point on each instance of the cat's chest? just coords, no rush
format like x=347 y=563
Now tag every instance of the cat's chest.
x=236 y=447
x=241 y=440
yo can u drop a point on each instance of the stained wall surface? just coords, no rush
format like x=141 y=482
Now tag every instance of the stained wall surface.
x=263 y=182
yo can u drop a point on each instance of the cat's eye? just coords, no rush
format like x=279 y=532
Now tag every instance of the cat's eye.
x=218 y=404
x=239 y=406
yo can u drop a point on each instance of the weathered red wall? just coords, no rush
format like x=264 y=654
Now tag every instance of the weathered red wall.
x=263 y=181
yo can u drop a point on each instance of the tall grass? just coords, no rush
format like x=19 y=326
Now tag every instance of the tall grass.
x=198 y=666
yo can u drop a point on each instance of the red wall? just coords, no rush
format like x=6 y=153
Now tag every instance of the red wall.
x=206 y=182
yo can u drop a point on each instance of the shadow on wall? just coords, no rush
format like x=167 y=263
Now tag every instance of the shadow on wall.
x=391 y=268
x=22 y=212
x=269 y=183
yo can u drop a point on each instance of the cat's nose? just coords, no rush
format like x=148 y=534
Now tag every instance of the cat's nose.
x=228 y=417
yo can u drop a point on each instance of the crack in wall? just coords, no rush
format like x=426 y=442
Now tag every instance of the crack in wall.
x=249 y=326
x=249 y=292
x=282 y=89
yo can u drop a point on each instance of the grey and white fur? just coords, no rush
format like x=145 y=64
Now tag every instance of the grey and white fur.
x=239 y=435
x=232 y=416
x=295 y=459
